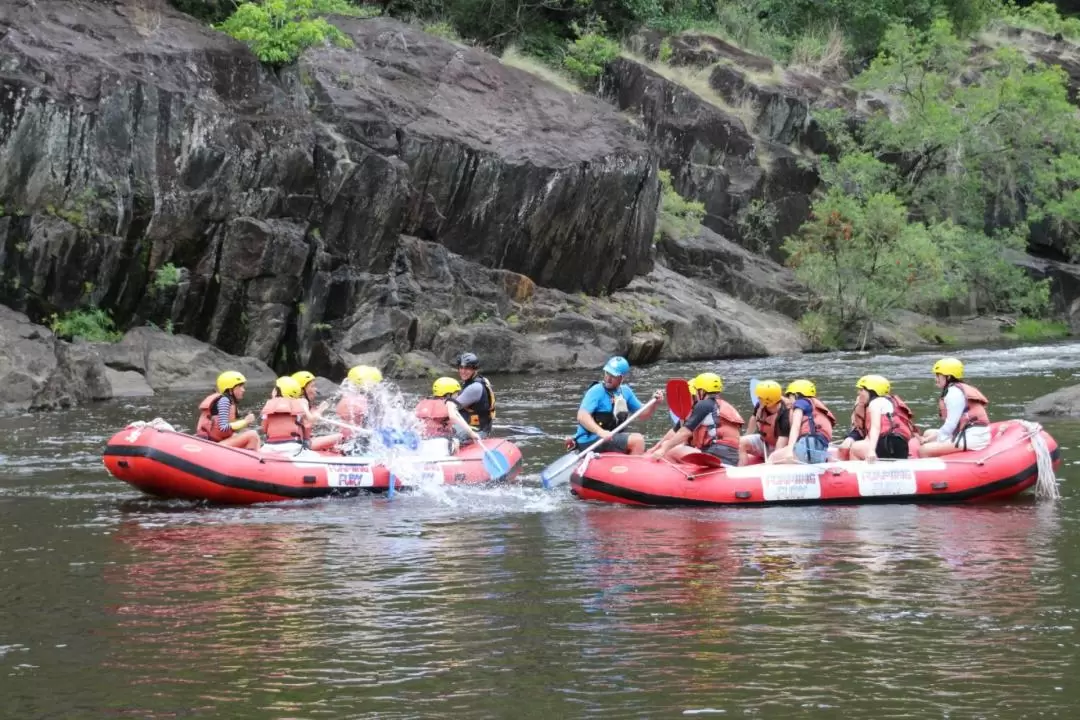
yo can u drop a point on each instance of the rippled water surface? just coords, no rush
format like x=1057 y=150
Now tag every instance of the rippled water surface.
x=516 y=602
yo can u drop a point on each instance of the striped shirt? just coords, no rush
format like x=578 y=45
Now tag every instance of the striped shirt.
x=224 y=404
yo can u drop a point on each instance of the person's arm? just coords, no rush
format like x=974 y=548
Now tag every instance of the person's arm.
x=875 y=430
x=796 y=425
x=751 y=427
x=697 y=416
x=458 y=421
x=955 y=402
x=633 y=404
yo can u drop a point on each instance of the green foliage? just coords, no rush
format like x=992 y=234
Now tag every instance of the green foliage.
x=166 y=276
x=586 y=57
x=279 y=30
x=864 y=258
x=1034 y=330
x=93 y=324
x=756 y=222
x=1041 y=16
x=912 y=234
x=665 y=52
x=442 y=29
x=678 y=216
x=819 y=330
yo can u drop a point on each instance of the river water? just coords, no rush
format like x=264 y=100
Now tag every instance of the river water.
x=515 y=602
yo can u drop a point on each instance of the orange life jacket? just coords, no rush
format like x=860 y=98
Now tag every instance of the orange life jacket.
x=767 y=421
x=901 y=422
x=434 y=417
x=283 y=420
x=974 y=411
x=207 y=425
x=823 y=420
x=725 y=430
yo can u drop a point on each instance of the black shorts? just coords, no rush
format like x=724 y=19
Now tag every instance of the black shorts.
x=892 y=446
x=727 y=454
x=619 y=442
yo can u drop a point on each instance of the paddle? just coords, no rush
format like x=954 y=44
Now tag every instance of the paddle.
x=496 y=464
x=679 y=398
x=754 y=399
x=521 y=429
x=560 y=466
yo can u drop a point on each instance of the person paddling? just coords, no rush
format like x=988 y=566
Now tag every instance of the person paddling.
x=966 y=423
x=811 y=426
x=283 y=417
x=606 y=404
x=769 y=426
x=306 y=381
x=714 y=425
x=433 y=412
x=218 y=414
x=882 y=420
x=472 y=410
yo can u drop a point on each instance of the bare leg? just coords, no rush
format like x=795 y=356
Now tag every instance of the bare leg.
x=325 y=442
x=937 y=449
x=635 y=445
x=249 y=440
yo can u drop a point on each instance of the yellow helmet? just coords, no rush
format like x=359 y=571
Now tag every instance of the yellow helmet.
x=693 y=388
x=709 y=382
x=949 y=366
x=289 y=388
x=364 y=375
x=802 y=387
x=229 y=380
x=302 y=378
x=877 y=383
x=768 y=392
x=445 y=386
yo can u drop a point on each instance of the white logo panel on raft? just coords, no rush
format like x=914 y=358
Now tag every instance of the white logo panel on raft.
x=350 y=476
x=886 y=481
x=793 y=484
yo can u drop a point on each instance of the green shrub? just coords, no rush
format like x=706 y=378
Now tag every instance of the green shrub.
x=279 y=30
x=819 y=330
x=1041 y=16
x=1034 y=330
x=166 y=276
x=93 y=324
x=586 y=57
x=678 y=217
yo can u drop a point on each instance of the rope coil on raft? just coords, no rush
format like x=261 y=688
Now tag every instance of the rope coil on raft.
x=1046 y=483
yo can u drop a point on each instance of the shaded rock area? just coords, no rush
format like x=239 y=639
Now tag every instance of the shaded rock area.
x=39 y=371
x=1060 y=403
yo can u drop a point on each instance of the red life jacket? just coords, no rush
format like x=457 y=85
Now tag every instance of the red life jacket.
x=283 y=420
x=725 y=430
x=434 y=417
x=974 y=411
x=823 y=420
x=767 y=421
x=901 y=422
x=207 y=425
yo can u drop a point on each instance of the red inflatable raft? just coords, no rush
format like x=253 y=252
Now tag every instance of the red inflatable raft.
x=175 y=465
x=1007 y=467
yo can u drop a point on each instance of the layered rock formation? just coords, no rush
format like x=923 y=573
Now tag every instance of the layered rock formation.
x=398 y=201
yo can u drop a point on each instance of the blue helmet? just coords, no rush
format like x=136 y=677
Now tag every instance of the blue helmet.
x=617 y=366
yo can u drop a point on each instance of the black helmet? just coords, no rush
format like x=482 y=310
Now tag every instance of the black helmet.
x=468 y=360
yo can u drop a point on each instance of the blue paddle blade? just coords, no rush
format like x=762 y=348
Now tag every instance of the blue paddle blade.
x=495 y=464
x=557 y=469
x=753 y=391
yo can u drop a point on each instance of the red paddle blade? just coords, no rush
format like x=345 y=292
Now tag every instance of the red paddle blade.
x=678 y=397
x=703 y=459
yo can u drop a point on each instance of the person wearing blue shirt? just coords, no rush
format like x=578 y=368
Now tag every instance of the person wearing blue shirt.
x=606 y=405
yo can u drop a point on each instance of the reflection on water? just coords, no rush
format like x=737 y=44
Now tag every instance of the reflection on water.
x=461 y=602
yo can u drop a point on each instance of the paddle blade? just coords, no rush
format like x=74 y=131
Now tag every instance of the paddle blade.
x=678 y=397
x=558 y=472
x=496 y=464
x=753 y=392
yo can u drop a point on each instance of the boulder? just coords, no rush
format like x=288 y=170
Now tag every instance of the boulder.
x=153 y=167
x=38 y=371
x=1061 y=403
x=730 y=268
x=705 y=143
x=178 y=362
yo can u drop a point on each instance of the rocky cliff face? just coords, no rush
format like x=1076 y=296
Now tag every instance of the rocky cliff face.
x=398 y=201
